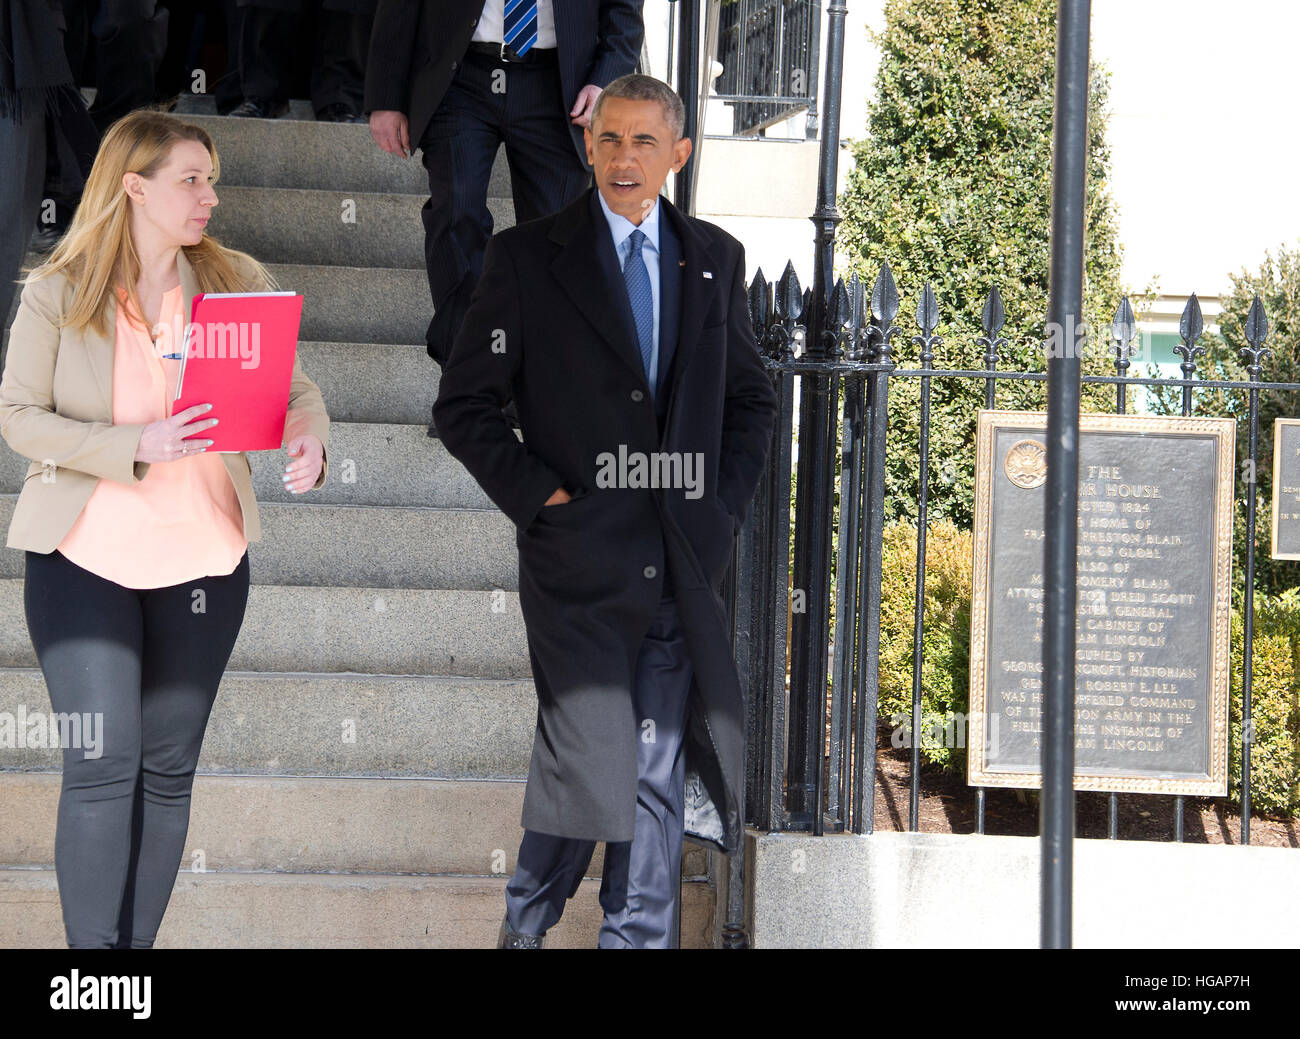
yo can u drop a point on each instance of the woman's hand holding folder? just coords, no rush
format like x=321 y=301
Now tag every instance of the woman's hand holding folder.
x=165 y=440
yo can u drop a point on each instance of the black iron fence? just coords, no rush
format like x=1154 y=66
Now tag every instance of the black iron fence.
x=768 y=50
x=814 y=691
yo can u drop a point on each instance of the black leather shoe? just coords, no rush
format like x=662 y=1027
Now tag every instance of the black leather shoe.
x=338 y=113
x=432 y=431
x=260 y=108
x=508 y=938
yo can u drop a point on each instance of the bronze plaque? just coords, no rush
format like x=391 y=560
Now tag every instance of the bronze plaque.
x=1151 y=657
x=1286 y=488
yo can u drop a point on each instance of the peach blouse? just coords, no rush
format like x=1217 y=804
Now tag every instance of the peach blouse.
x=182 y=521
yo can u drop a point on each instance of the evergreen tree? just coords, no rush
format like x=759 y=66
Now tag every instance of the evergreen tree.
x=953 y=186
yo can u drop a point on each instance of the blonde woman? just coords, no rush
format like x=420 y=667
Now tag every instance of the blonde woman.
x=136 y=537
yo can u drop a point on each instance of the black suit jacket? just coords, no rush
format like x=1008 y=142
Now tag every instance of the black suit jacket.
x=549 y=325
x=417 y=45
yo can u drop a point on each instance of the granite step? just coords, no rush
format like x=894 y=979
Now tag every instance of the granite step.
x=323 y=911
x=347 y=304
x=370 y=464
x=359 y=304
x=354 y=630
x=364 y=725
x=369 y=546
x=374 y=382
x=299 y=152
x=318 y=825
x=344 y=228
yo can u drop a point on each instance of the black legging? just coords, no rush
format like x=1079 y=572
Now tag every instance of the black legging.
x=149 y=661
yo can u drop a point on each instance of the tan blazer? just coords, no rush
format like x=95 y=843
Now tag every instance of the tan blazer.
x=56 y=408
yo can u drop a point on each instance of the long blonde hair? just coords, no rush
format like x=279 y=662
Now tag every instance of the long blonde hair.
x=97 y=254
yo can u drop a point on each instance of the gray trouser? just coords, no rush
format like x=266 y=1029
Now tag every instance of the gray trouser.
x=639 y=888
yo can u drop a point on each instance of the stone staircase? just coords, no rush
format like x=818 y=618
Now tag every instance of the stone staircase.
x=362 y=774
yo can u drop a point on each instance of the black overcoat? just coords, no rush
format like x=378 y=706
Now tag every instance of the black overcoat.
x=549 y=325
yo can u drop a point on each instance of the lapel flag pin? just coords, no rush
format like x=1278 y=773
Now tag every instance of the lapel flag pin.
x=708 y=274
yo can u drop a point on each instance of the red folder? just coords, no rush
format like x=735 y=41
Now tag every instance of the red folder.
x=239 y=359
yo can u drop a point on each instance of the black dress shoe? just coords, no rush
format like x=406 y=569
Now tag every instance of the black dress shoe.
x=338 y=113
x=260 y=108
x=509 y=938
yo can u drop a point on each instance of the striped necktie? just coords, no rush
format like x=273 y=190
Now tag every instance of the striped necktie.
x=521 y=25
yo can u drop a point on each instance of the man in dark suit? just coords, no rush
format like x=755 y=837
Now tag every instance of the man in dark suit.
x=461 y=76
x=621 y=328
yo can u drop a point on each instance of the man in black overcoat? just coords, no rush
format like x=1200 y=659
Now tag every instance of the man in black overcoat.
x=458 y=78
x=620 y=326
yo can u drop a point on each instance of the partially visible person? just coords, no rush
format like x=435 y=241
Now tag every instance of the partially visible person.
x=135 y=536
x=130 y=39
x=271 y=32
x=459 y=77
x=39 y=100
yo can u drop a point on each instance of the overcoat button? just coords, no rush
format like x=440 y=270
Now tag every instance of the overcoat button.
x=649 y=572
x=638 y=396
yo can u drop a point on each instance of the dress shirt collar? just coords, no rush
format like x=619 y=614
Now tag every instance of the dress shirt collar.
x=620 y=226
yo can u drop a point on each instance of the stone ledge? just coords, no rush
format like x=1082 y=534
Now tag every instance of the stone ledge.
x=918 y=890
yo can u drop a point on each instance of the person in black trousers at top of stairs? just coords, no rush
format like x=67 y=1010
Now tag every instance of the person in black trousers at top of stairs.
x=460 y=77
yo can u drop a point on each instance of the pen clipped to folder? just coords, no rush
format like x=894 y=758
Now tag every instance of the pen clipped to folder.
x=238 y=356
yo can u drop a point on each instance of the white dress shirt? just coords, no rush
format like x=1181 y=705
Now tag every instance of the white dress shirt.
x=491 y=26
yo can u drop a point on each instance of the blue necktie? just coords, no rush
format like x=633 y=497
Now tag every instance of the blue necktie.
x=639 y=295
x=521 y=24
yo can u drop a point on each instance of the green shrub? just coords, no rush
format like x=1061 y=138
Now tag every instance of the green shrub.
x=945 y=684
x=1275 y=705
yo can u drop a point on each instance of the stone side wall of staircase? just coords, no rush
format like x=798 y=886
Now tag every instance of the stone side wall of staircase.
x=362 y=775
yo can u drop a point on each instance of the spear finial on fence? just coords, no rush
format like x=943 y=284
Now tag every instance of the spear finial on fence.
x=789 y=309
x=927 y=316
x=884 y=308
x=1256 y=333
x=993 y=317
x=1190 y=328
x=1122 y=330
x=838 y=312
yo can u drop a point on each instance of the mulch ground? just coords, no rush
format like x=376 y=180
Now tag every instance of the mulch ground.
x=947 y=805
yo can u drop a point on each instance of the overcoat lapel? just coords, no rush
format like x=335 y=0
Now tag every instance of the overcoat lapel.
x=695 y=295
x=585 y=268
